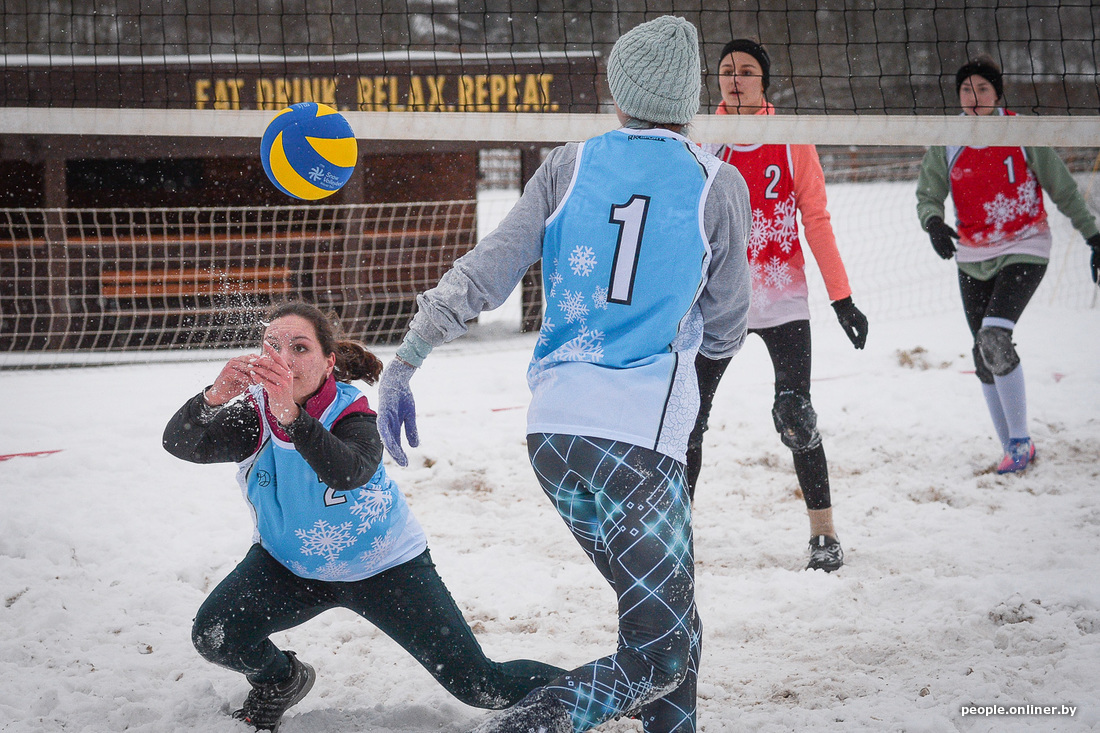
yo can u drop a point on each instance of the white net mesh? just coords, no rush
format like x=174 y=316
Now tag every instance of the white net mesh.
x=110 y=280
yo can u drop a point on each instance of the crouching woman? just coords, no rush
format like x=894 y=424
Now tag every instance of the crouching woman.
x=331 y=529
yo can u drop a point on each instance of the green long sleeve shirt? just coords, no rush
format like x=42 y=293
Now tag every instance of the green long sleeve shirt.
x=933 y=186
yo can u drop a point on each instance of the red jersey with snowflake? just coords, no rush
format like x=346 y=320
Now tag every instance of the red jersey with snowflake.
x=997 y=197
x=776 y=262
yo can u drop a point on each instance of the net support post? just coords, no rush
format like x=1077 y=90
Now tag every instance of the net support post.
x=530 y=157
x=60 y=313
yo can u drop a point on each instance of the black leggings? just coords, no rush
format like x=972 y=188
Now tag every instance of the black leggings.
x=1005 y=295
x=409 y=603
x=788 y=346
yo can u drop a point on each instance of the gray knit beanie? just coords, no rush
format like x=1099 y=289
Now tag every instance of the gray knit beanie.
x=654 y=72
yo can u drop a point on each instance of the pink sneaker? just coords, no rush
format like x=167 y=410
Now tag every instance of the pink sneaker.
x=1021 y=451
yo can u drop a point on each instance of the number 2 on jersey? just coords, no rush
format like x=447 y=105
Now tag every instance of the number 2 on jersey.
x=631 y=220
x=773 y=174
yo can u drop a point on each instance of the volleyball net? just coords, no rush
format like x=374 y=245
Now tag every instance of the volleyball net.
x=95 y=92
x=834 y=58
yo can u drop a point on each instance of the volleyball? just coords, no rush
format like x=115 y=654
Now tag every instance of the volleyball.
x=308 y=151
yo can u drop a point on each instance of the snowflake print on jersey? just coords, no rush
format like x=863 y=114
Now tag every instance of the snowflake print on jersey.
x=332 y=570
x=1029 y=199
x=774 y=247
x=544 y=332
x=548 y=327
x=379 y=548
x=326 y=540
x=1003 y=212
x=759 y=233
x=777 y=273
x=555 y=281
x=785 y=225
x=762 y=296
x=582 y=261
x=585 y=346
x=573 y=306
x=371 y=506
x=756 y=273
x=1000 y=211
x=599 y=298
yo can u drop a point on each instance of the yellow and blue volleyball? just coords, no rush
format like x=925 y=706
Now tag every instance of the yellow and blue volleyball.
x=308 y=151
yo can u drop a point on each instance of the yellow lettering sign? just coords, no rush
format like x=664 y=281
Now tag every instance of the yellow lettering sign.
x=530 y=93
x=380 y=93
x=390 y=93
x=436 y=103
x=415 y=100
x=202 y=93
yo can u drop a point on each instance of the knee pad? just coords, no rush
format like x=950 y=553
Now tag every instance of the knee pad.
x=796 y=421
x=998 y=351
x=984 y=375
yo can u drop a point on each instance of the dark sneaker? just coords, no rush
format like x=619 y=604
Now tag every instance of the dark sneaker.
x=825 y=554
x=539 y=712
x=265 y=704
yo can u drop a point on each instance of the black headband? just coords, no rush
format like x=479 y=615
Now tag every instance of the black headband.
x=984 y=69
x=754 y=49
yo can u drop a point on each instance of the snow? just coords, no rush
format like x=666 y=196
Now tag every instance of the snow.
x=961 y=587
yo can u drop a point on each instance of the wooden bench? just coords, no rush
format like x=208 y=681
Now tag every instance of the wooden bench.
x=194 y=282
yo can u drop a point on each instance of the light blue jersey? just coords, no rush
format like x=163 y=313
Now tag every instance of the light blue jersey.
x=314 y=530
x=625 y=258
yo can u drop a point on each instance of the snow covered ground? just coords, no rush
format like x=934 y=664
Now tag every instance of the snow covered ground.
x=961 y=587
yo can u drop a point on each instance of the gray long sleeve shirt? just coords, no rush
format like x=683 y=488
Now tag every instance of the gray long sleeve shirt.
x=484 y=278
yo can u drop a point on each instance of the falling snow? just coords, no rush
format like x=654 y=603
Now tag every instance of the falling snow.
x=961 y=586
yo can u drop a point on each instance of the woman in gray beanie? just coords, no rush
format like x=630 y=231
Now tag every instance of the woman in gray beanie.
x=642 y=238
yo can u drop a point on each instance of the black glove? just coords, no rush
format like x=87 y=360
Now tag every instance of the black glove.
x=941 y=236
x=852 y=321
x=1094 y=242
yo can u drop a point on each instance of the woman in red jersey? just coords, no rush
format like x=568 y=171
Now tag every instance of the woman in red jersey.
x=782 y=180
x=1003 y=244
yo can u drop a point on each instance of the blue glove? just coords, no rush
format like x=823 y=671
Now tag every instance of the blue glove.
x=396 y=407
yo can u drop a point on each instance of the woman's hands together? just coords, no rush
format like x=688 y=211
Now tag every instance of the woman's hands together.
x=267 y=369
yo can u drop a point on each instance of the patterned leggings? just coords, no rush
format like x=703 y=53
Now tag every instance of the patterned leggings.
x=628 y=508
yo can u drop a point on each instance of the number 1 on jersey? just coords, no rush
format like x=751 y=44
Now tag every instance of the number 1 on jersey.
x=631 y=220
